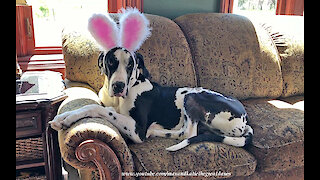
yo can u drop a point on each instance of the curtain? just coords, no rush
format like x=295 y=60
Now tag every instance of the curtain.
x=290 y=7
x=226 y=6
x=115 y=5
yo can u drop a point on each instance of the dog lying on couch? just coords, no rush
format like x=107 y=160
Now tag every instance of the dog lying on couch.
x=141 y=109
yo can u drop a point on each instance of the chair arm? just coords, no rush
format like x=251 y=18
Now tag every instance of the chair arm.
x=92 y=143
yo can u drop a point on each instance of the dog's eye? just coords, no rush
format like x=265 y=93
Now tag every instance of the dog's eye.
x=110 y=63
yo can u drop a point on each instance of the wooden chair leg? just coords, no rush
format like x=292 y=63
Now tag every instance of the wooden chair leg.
x=102 y=156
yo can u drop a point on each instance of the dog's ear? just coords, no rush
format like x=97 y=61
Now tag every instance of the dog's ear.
x=141 y=65
x=100 y=63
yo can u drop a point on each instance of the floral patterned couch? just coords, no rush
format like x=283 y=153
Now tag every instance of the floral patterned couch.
x=259 y=61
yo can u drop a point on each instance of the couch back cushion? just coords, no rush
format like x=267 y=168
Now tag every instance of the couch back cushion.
x=166 y=54
x=80 y=53
x=287 y=33
x=231 y=57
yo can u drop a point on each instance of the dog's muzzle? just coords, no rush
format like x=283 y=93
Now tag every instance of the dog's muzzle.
x=118 y=89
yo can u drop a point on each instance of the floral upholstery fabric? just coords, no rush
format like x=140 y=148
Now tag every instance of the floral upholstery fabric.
x=229 y=57
x=278 y=141
x=151 y=156
x=167 y=54
x=287 y=33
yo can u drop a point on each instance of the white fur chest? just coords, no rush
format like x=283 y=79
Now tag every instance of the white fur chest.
x=128 y=103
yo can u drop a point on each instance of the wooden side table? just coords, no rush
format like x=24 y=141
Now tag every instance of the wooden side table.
x=36 y=143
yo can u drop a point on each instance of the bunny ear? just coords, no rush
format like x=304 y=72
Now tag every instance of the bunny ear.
x=134 y=29
x=104 y=30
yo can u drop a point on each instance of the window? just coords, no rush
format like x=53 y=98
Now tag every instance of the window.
x=38 y=30
x=39 y=24
x=49 y=16
x=266 y=7
x=246 y=7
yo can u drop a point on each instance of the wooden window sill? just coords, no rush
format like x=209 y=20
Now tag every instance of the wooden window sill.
x=53 y=62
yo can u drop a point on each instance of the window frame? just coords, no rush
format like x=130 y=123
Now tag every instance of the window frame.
x=284 y=7
x=115 y=5
x=30 y=57
x=26 y=51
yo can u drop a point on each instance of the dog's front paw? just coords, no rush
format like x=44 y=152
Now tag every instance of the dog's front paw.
x=58 y=122
x=63 y=121
x=55 y=125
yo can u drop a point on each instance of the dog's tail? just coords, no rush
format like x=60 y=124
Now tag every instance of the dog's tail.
x=241 y=141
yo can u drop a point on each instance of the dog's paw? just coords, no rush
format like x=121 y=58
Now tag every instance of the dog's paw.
x=149 y=133
x=179 y=146
x=248 y=130
x=55 y=125
x=57 y=121
x=64 y=120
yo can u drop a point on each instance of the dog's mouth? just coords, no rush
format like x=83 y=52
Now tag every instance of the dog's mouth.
x=122 y=94
x=119 y=89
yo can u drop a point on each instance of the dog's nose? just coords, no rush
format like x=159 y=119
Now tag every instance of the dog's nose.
x=118 y=87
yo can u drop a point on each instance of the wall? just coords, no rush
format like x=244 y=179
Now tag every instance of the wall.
x=175 y=8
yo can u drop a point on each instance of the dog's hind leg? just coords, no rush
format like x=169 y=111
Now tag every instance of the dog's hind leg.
x=214 y=137
x=197 y=114
x=187 y=130
x=195 y=139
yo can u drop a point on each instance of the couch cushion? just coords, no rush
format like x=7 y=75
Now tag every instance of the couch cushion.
x=288 y=35
x=151 y=156
x=294 y=174
x=166 y=53
x=80 y=54
x=229 y=57
x=278 y=140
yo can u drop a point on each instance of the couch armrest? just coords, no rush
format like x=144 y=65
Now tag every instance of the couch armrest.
x=104 y=158
x=92 y=136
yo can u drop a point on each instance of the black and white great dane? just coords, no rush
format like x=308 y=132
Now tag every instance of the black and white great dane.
x=142 y=109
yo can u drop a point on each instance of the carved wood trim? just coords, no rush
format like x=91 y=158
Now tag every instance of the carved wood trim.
x=102 y=156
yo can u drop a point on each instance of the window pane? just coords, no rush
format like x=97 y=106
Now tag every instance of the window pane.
x=49 y=16
x=250 y=7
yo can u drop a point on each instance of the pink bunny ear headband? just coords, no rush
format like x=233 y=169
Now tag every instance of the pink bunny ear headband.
x=133 y=30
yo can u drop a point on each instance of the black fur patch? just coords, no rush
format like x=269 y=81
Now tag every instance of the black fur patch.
x=111 y=62
x=214 y=103
x=183 y=92
x=156 y=105
x=136 y=83
x=181 y=134
x=164 y=110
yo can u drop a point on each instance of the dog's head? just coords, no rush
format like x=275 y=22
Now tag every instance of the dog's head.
x=122 y=69
x=119 y=60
